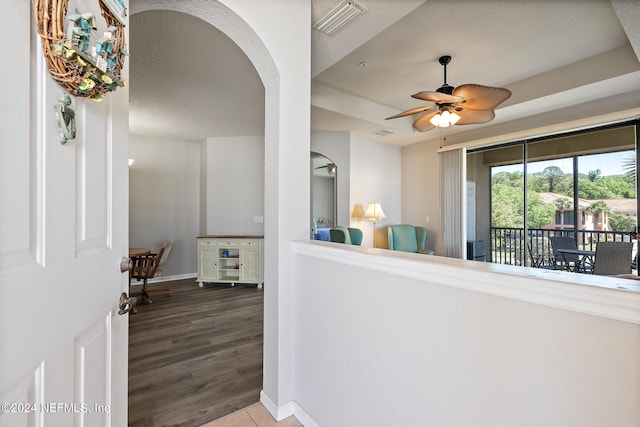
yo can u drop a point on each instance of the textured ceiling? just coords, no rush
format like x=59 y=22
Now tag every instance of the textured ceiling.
x=189 y=81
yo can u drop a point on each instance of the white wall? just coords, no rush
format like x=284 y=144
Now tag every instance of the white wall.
x=421 y=197
x=375 y=176
x=174 y=183
x=164 y=197
x=368 y=171
x=282 y=58
x=203 y=189
x=439 y=344
x=235 y=185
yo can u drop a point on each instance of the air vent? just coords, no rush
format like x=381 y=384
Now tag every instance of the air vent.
x=384 y=132
x=339 y=16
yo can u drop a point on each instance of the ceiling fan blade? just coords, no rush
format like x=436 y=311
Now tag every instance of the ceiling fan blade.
x=470 y=117
x=480 y=97
x=412 y=111
x=422 y=123
x=437 y=97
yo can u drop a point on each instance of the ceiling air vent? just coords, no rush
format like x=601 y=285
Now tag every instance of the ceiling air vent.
x=339 y=16
x=384 y=132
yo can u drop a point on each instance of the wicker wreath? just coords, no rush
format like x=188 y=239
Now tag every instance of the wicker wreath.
x=75 y=70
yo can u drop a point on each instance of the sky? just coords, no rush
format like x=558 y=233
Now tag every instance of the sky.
x=608 y=163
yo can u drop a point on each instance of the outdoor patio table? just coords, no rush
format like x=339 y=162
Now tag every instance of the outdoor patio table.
x=585 y=259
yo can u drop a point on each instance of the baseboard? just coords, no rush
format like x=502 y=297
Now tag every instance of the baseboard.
x=286 y=410
x=304 y=418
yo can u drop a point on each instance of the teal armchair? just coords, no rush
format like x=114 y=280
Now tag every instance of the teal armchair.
x=350 y=236
x=408 y=238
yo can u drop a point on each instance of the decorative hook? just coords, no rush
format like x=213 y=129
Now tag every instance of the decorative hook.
x=65 y=118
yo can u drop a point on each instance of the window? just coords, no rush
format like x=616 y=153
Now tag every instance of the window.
x=565 y=218
x=532 y=190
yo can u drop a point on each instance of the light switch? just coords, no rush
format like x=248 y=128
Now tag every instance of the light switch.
x=258 y=219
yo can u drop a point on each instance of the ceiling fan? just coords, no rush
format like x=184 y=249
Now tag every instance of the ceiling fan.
x=464 y=105
x=331 y=168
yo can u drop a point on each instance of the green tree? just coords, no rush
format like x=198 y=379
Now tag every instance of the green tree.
x=619 y=222
x=619 y=186
x=629 y=167
x=537 y=183
x=593 y=190
x=552 y=173
x=594 y=174
x=598 y=208
x=511 y=179
x=539 y=213
x=507 y=209
x=564 y=185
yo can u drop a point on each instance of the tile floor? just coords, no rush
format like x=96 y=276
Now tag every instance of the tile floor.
x=253 y=416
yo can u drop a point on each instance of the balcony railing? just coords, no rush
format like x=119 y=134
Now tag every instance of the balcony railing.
x=515 y=247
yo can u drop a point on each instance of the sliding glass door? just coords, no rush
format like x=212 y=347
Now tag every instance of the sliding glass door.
x=581 y=185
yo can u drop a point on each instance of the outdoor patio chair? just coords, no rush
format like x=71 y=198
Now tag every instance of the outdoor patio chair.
x=568 y=261
x=541 y=255
x=613 y=258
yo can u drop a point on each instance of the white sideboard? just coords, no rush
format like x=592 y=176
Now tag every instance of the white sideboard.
x=230 y=259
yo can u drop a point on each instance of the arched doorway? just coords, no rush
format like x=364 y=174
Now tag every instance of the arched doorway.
x=286 y=139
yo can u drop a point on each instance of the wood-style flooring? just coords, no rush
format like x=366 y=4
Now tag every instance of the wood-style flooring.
x=195 y=356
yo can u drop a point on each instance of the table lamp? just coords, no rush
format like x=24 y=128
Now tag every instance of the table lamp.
x=374 y=212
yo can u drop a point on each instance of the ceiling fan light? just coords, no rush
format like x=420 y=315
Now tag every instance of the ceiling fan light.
x=444 y=119
x=435 y=120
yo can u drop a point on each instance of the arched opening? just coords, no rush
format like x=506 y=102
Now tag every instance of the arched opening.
x=225 y=20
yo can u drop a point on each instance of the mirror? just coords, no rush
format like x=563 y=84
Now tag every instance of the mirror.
x=324 y=174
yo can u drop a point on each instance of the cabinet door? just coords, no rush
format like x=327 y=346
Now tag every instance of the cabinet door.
x=249 y=265
x=208 y=262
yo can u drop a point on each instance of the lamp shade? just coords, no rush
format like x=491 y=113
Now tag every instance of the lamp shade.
x=374 y=211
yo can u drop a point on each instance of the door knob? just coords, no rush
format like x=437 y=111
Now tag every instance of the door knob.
x=127 y=304
x=126 y=264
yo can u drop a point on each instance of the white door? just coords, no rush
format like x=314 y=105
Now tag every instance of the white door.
x=63 y=232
